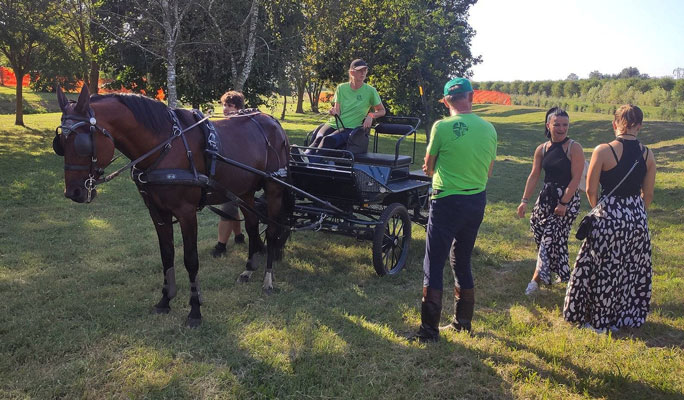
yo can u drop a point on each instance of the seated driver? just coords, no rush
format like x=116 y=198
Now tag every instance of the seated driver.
x=352 y=102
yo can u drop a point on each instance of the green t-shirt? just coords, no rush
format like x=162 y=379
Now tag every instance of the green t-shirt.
x=354 y=104
x=465 y=146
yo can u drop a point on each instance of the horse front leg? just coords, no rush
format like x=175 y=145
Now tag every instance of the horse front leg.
x=255 y=243
x=187 y=219
x=164 y=227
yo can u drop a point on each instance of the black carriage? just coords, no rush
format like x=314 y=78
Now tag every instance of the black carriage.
x=369 y=196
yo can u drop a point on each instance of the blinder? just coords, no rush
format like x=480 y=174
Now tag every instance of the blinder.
x=83 y=144
x=57 y=145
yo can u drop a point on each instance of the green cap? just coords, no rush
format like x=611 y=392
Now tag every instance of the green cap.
x=457 y=85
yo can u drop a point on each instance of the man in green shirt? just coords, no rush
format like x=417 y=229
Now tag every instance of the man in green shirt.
x=352 y=102
x=459 y=158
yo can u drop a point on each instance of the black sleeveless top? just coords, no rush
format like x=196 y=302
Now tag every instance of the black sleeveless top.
x=631 y=151
x=556 y=164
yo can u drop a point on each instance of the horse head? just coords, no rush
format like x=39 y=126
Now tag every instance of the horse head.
x=87 y=148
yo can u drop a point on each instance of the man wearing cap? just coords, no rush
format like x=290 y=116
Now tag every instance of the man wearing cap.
x=352 y=102
x=459 y=158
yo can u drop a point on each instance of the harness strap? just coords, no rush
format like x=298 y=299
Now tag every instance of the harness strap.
x=268 y=143
x=149 y=153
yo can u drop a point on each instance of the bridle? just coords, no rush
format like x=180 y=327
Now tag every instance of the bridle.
x=84 y=145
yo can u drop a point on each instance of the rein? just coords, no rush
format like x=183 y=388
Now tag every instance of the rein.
x=166 y=143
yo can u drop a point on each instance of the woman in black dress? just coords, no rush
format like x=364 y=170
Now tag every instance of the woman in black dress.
x=562 y=160
x=610 y=286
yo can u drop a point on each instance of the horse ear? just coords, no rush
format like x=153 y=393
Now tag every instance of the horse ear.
x=61 y=98
x=83 y=103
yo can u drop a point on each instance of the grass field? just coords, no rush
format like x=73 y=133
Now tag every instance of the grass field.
x=78 y=283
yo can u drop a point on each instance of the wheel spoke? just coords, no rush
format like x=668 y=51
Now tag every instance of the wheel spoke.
x=392 y=263
x=385 y=256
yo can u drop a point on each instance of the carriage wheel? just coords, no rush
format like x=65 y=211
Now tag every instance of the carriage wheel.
x=391 y=240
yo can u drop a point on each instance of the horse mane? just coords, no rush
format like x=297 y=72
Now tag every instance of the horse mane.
x=153 y=114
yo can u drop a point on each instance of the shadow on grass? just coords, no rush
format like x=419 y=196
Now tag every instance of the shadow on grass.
x=616 y=384
x=654 y=334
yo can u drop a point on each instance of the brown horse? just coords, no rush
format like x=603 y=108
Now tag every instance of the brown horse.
x=146 y=131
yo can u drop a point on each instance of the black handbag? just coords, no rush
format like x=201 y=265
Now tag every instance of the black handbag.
x=585 y=226
x=587 y=222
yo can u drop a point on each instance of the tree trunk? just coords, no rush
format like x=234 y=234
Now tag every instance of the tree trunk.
x=282 y=116
x=20 y=98
x=314 y=92
x=171 y=21
x=94 y=77
x=251 y=44
x=171 y=77
x=301 y=86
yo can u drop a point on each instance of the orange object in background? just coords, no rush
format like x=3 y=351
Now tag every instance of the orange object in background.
x=7 y=78
x=325 y=96
x=491 y=97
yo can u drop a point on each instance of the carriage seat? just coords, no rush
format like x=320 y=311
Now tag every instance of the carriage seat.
x=382 y=159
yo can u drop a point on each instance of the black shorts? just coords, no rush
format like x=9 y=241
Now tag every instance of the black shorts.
x=230 y=208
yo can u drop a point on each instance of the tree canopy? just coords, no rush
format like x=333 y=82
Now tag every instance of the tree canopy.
x=197 y=49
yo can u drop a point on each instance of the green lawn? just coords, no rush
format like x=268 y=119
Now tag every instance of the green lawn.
x=34 y=102
x=78 y=283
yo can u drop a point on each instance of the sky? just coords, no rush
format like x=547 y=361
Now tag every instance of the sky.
x=550 y=39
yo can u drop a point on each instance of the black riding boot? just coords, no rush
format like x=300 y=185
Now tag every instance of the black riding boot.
x=464 y=304
x=430 y=313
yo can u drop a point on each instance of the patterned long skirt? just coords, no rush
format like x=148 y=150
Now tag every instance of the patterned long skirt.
x=551 y=232
x=611 y=283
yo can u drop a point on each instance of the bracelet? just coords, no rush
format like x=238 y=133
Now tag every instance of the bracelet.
x=524 y=200
x=563 y=204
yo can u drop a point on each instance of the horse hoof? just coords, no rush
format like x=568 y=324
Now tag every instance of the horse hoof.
x=243 y=278
x=193 y=322
x=267 y=291
x=162 y=310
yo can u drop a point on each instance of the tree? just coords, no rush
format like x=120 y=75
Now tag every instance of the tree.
x=408 y=44
x=533 y=88
x=629 y=72
x=596 y=75
x=76 y=17
x=666 y=83
x=72 y=53
x=153 y=26
x=678 y=90
x=678 y=73
x=545 y=87
x=572 y=77
x=26 y=26
x=571 y=88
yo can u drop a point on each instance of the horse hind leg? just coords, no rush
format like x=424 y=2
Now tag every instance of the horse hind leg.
x=162 y=223
x=255 y=244
x=276 y=235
